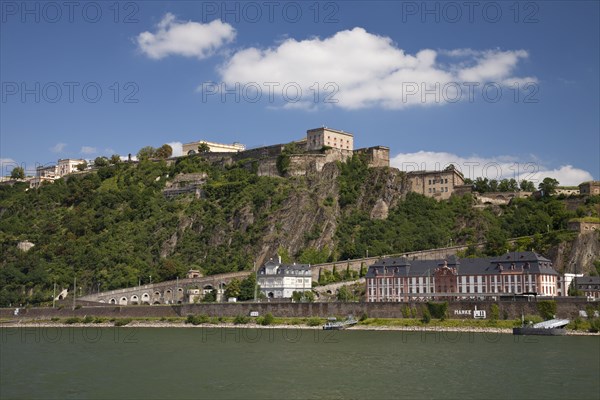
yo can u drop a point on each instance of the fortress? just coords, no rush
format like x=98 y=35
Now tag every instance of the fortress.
x=309 y=155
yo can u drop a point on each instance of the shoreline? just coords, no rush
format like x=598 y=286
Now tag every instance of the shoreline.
x=226 y=325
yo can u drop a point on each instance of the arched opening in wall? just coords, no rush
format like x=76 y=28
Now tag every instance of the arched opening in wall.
x=168 y=296
x=112 y=301
x=489 y=203
x=145 y=298
x=222 y=285
x=191 y=152
x=60 y=297
x=156 y=302
x=270 y=295
x=135 y=300
x=123 y=301
x=329 y=292
x=207 y=289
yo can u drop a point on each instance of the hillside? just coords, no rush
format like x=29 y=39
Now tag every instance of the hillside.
x=114 y=228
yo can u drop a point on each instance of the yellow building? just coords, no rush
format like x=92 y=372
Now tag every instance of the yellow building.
x=192 y=148
x=319 y=137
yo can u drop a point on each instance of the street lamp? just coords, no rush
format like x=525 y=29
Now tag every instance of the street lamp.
x=151 y=279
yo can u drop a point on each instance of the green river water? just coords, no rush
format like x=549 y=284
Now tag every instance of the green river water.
x=215 y=363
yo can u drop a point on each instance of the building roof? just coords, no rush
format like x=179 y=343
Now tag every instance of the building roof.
x=330 y=129
x=519 y=262
x=587 y=280
x=283 y=269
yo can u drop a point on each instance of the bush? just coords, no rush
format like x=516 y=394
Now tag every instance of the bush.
x=406 y=311
x=547 y=309
x=426 y=315
x=363 y=316
x=314 y=321
x=72 y=320
x=494 y=312
x=197 y=319
x=437 y=310
x=413 y=312
x=99 y=320
x=88 y=319
x=241 y=320
x=54 y=319
x=267 y=320
x=595 y=325
x=122 y=321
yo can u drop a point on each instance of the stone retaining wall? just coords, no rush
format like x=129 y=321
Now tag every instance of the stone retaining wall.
x=566 y=308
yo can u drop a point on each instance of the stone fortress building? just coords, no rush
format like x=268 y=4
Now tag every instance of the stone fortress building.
x=192 y=148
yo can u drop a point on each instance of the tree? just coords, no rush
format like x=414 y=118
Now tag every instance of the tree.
x=146 y=153
x=210 y=297
x=17 y=173
x=115 y=159
x=163 y=152
x=82 y=166
x=344 y=294
x=481 y=185
x=527 y=186
x=248 y=288
x=203 y=147
x=233 y=288
x=101 y=162
x=548 y=186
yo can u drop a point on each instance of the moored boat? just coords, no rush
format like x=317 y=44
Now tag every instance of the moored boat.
x=553 y=327
x=333 y=324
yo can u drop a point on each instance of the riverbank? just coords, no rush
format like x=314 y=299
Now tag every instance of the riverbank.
x=181 y=323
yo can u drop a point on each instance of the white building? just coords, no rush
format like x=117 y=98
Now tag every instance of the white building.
x=192 y=148
x=68 y=165
x=565 y=282
x=279 y=280
x=319 y=137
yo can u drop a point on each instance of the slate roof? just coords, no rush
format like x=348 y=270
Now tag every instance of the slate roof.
x=526 y=261
x=283 y=269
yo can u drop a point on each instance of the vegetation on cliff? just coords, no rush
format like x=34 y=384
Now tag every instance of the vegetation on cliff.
x=113 y=227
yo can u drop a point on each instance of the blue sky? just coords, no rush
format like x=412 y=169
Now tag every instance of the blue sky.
x=399 y=74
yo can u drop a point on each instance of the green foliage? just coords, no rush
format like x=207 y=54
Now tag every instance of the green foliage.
x=248 y=287
x=268 y=319
x=548 y=186
x=363 y=317
x=203 y=148
x=595 y=325
x=197 y=319
x=314 y=321
x=210 y=297
x=406 y=311
x=547 y=309
x=122 y=321
x=352 y=176
x=233 y=288
x=101 y=162
x=146 y=153
x=163 y=152
x=438 y=310
x=82 y=166
x=426 y=315
x=241 y=320
x=494 y=312
x=17 y=173
x=72 y=320
x=311 y=255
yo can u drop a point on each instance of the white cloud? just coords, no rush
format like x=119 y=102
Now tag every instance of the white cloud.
x=58 y=147
x=492 y=167
x=370 y=70
x=188 y=39
x=88 y=150
x=177 y=148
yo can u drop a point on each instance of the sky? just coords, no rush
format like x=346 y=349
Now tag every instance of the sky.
x=500 y=89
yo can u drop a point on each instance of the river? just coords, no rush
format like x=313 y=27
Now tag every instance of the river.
x=215 y=363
